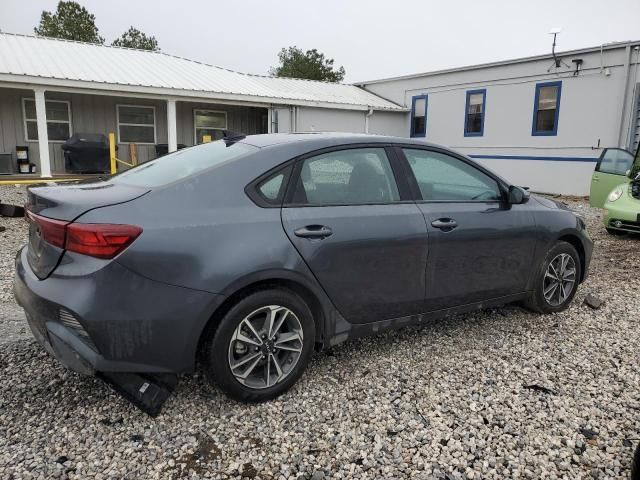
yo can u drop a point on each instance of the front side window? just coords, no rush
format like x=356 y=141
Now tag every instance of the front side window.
x=136 y=124
x=346 y=177
x=615 y=161
x=442 y=178
x=419 y=116
x=209 y=123
x=474 y=113
x=58 y=120
x=546 y=108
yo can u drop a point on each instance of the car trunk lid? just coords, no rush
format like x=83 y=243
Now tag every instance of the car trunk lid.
x=50 y=209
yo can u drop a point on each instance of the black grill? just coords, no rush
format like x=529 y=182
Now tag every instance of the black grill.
x=69 y=320
x=625 y=224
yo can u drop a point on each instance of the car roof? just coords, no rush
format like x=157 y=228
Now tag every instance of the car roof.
x=324 y=139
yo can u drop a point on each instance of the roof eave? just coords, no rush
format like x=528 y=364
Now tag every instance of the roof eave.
x=546 y=56
x=96 y=88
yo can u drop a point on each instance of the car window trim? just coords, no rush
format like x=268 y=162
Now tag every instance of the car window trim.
x=597 y=169
x=252 y=190
x=502 y=187
x=404 y=192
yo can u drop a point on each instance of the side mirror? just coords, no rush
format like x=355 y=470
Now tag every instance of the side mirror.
x=517 y=195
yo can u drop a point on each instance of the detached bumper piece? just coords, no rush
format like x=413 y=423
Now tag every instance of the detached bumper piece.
x=148 y=392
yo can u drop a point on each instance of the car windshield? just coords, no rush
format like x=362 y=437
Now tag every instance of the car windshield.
x=182 y=164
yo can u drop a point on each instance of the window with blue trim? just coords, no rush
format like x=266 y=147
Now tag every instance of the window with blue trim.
x=474 y=113
x=546 y=108
x=419 y=116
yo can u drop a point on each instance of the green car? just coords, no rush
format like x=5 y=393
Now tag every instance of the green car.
x=615 y=186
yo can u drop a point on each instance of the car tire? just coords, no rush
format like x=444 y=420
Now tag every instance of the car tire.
x=635 y=464
x=539 y=300
x=242 y=340
x=613 y=231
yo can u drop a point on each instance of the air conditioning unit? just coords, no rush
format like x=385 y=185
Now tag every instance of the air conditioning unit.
x=6 y=164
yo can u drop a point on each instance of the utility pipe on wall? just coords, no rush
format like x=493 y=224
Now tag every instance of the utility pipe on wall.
x=623 y=102
x=366 y=120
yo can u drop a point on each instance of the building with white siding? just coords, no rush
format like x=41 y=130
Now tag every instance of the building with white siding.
x=535 y=123
x=540 y=122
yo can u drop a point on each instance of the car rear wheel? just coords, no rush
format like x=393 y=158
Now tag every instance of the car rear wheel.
x=261 y=346
x=557 y=280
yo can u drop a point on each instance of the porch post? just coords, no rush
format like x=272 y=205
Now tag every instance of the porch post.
x=43 y=135
x=172 y=131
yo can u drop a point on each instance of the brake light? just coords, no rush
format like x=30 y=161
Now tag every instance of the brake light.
x=99 y=240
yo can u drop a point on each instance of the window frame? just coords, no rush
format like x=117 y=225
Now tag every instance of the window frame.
x=598 y=165
x=556 y=118
x=195 y=128
x=415 y=188
x=118 y=124
x=399 y=176
x=414 y=100
x=25 y=119
x=482 y=91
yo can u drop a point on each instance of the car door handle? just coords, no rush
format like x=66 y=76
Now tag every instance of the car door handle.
x=445 y=224
x=313 y=231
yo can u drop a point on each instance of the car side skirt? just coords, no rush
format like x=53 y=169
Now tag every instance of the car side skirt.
x=349 y=331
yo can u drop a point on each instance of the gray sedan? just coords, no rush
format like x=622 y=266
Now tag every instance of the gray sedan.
x=248 y=253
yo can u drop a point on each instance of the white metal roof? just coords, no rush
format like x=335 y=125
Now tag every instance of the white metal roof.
x=63 y=63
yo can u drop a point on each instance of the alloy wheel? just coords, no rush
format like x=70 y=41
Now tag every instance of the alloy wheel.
x=265 y=347
x=559 y=279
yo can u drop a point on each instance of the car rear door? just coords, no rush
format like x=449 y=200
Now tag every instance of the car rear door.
x=611 y=170
x=349 y=215
x=479 y=247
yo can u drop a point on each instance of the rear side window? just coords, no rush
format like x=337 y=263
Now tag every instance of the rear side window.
x=615 y=161
x=346 y=177
x=441 y=177
x=270 y=191
x=182 y=164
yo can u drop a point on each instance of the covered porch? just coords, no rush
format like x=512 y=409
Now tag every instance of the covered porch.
x=145 y=126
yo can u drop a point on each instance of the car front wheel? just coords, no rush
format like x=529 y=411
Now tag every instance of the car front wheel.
x=261 y=346
x=557 y=280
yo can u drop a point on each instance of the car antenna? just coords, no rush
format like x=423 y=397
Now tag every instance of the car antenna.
x=230 y=137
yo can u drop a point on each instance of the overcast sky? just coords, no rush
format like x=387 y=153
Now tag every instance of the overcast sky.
x=370 y=38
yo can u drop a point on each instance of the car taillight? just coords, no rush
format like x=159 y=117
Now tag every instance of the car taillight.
x=100 y=240
x=50 y=230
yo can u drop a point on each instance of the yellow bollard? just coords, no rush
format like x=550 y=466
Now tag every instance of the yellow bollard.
x=112 y=153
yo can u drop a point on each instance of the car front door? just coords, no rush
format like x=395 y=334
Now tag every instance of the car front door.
x=351 y=219
x=479 y=247
x=611 y=170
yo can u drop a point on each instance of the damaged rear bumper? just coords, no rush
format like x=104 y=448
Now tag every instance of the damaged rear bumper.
x=133 y=332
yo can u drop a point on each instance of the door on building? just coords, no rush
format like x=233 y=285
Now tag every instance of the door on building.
x=349 y=215
x=478 y=248
x=611 y=170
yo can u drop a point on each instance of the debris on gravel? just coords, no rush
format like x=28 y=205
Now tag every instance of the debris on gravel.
x=593 y=301
x=499 y=393
x=12 y=238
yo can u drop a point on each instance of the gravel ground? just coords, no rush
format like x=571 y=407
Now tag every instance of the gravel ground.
x=501 y=393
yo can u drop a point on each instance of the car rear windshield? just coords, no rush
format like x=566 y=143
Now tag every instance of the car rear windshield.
x=182 y=164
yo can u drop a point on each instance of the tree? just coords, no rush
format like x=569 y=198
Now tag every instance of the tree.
x=134 y=38
x=71 y=21
x=294 y=63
